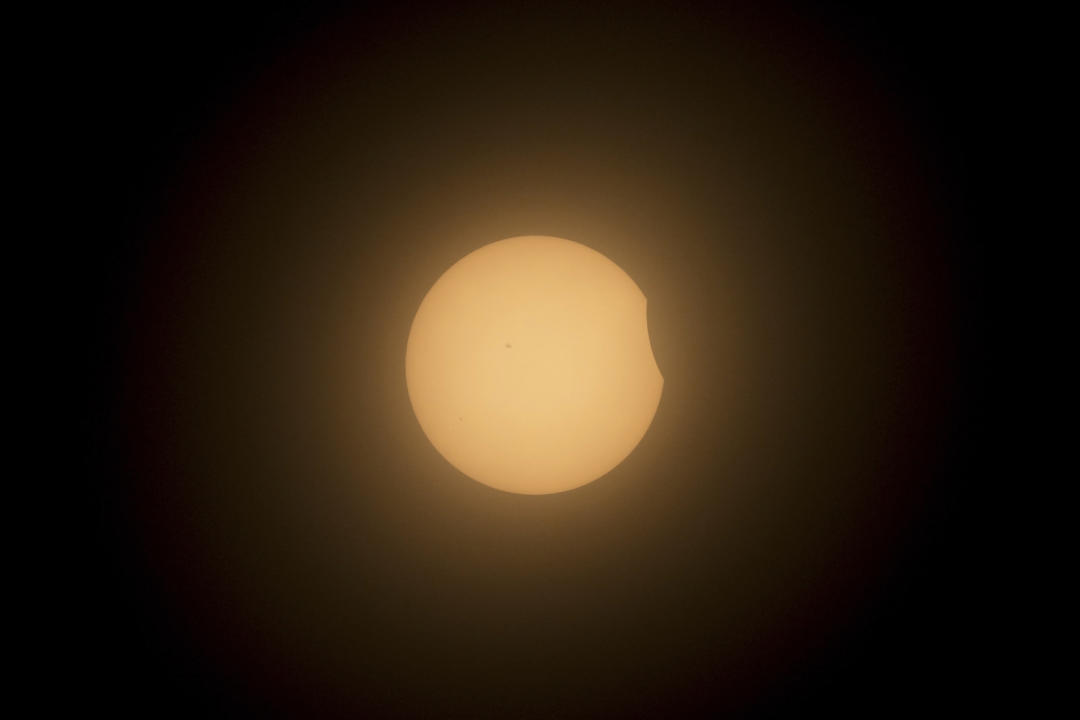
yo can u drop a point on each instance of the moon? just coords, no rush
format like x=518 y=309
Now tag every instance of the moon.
x=529 y=365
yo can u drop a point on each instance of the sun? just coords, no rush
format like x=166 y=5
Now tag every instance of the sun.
x=529 y=365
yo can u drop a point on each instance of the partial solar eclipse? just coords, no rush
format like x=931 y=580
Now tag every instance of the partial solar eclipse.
x=529 y=365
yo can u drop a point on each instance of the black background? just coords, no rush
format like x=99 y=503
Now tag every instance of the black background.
x=794 y=189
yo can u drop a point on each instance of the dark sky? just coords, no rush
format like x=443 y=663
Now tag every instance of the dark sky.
x=794 y=190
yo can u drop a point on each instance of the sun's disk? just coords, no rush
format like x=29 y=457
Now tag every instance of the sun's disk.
x=529 y=365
